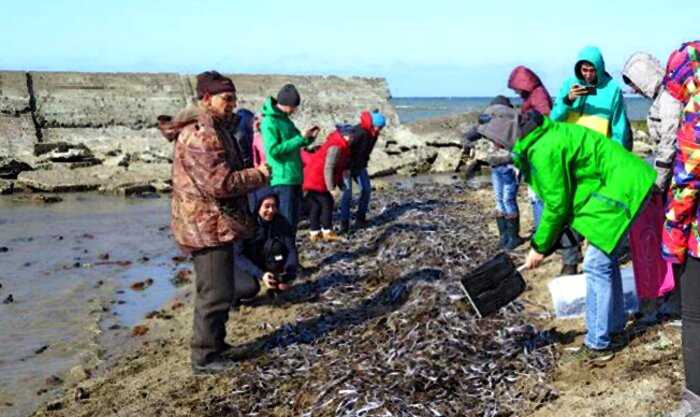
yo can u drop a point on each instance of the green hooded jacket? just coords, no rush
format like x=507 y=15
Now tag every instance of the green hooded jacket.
x=585 y=180
x=283 y=143
x=603 y=111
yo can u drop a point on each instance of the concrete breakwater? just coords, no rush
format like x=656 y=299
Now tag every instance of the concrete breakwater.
x=66 y=131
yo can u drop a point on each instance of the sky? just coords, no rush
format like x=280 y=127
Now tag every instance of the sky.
x=429 y=48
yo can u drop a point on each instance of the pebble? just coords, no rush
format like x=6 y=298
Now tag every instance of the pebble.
x=139 y=330
x=4 y=249
x=81 y=394
x=9 y=300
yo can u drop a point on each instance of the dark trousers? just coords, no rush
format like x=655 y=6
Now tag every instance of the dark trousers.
x=690 y=299
x=289 y=204
x=246 y=285
x=320 y=210
x=215 y=294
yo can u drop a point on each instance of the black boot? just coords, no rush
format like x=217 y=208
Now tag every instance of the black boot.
x=345 y=226
x=513 y=234
x=361 y=221
x=502 y=232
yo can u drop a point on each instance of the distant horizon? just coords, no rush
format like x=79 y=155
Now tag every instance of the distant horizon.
x=451 y=48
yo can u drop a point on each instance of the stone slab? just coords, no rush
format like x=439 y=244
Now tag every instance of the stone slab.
x=14 y=93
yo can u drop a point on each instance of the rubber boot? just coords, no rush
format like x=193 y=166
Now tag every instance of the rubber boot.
x=361 y=221
x=513 y=234
x=502 y=233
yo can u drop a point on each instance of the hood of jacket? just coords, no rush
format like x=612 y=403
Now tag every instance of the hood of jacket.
x=366 y=121
x=681 y=79
x=522 y=78
x=593 y=55
x=645 y=72
x=170 y=127
x=270 y=109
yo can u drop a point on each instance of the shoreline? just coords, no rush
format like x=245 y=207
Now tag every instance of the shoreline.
x=158 y=367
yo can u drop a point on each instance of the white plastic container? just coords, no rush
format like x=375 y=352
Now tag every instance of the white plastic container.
x=569 y=294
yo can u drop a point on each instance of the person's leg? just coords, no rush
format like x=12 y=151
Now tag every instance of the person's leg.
x=690 y=306
x=246 y=286
x=314 y=213
x=286 y=208
x=365 y=194
x=326 y=202
x=497 y=184
x=601 y=271
x=345 y=204
x=512 y=212
x=570 y=255
x=215 y=292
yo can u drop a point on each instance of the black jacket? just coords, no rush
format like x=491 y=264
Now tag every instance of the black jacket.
x=361 y=149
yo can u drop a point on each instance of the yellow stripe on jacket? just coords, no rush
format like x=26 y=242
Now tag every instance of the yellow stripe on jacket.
x=596 y=123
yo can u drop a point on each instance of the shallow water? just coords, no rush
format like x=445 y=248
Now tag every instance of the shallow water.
x=64 y=289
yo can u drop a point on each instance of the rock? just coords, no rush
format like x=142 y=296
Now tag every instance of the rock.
x=69 y=155
x=81 y=394
x=643 y=149
x=448 y=160
x=53 y=381
x=69 y=99
x=67 y=180
x=141 y=285
x=118 y=161
x=41 y=350
x=18 y=135
x=6 y=187
x=54 y=405
x=640 y=135
x=78 y=374
x=38 y=199
x=4 y=249
x=139 y=330
x=381 y=185
x=11 y=168
x=182 y=277
x=9 y=300
x=14 y=92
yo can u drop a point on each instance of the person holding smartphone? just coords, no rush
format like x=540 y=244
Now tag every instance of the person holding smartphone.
x=591 y=98
x=283 y=143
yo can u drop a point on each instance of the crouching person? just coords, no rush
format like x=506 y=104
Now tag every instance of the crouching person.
x=209 y=208
x=324 y=171
x=590 y=183
x=270 y=256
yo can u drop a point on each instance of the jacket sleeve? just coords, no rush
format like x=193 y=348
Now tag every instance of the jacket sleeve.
x=275 y=146
x=561 y=106
x=668 y=114
x=555 y=193
x=329 y=167
x=619 y=125
x=205 y=162
x=540 y=101
x=499 y=157
x=246 y=265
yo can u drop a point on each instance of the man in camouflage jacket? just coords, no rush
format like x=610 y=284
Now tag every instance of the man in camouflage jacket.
x=209 y=207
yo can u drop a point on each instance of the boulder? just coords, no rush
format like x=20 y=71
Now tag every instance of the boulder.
x=448 y=160
x=63 y=179
x=112 y=140
x=10 y=168
x=14 y=92
x=6 y=187
x=17 y=137
x=643 y=149
x=70 y=99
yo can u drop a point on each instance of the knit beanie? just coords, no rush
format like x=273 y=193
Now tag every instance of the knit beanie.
x=289 y=96
x=211 y=82
x=378 y=119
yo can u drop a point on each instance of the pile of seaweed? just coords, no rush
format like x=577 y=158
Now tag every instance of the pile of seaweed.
x=386 y=330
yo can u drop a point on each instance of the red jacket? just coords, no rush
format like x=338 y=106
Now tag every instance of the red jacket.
x=315 y=163
x=523 y=79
